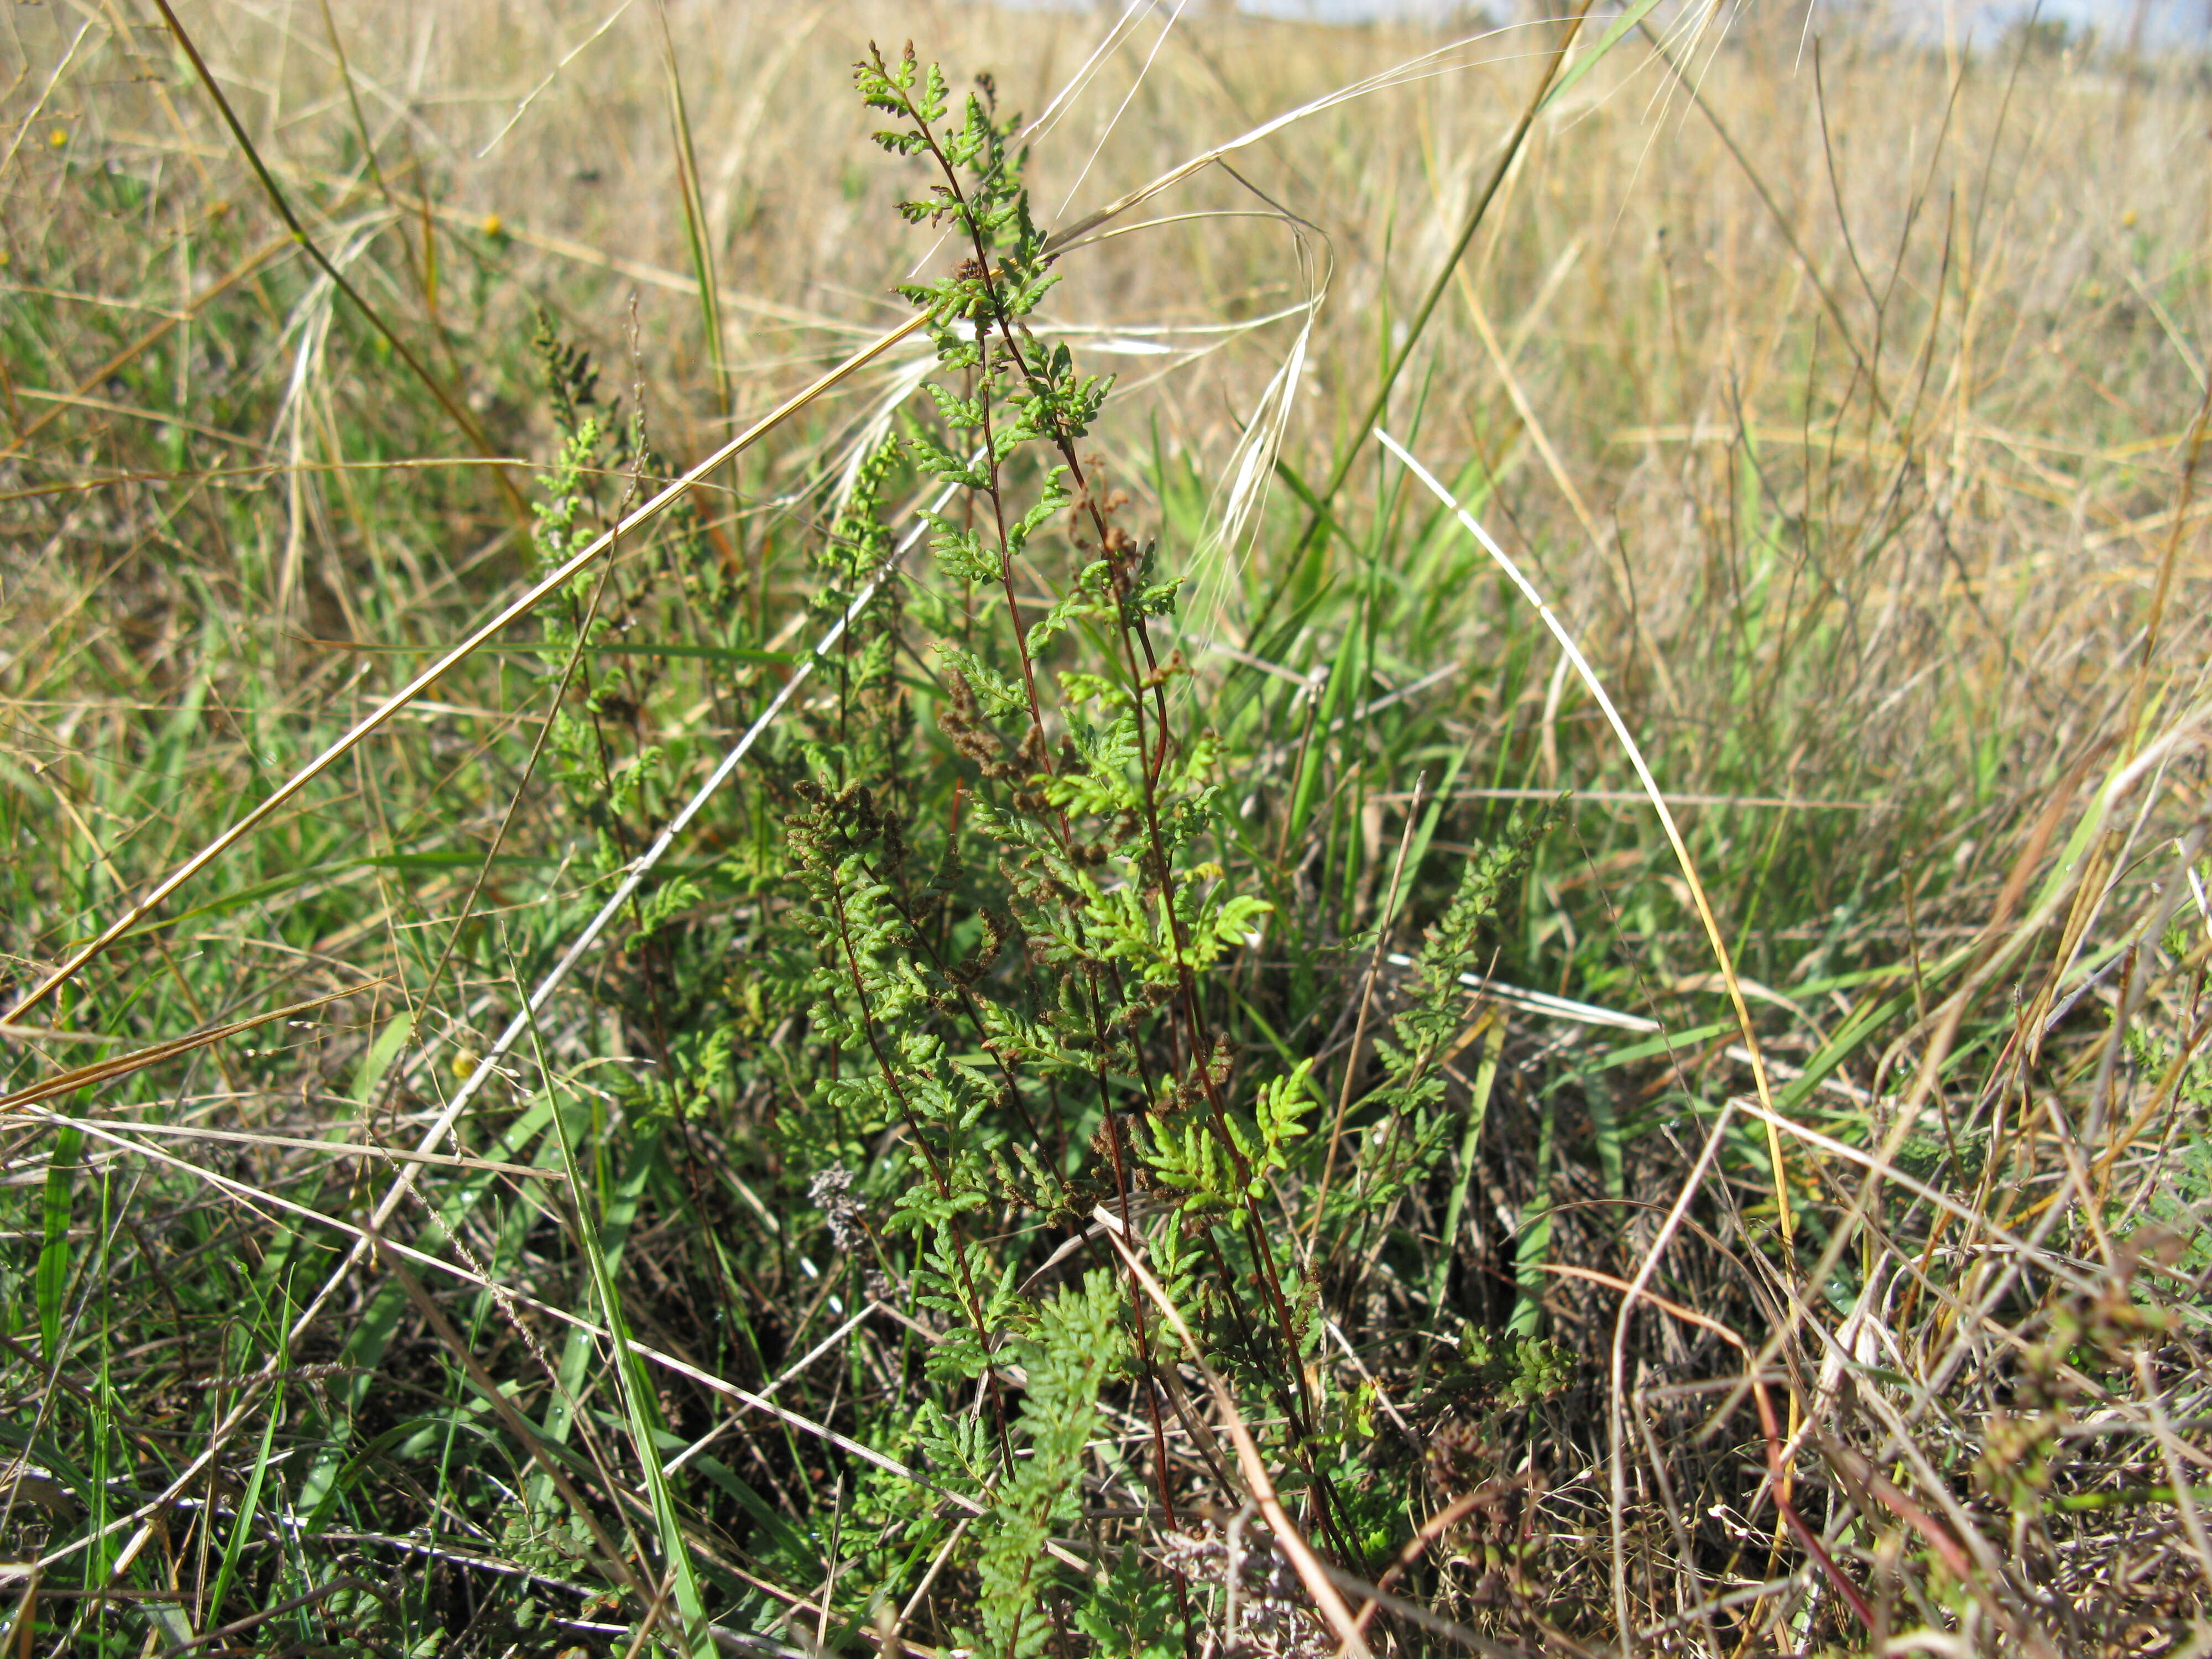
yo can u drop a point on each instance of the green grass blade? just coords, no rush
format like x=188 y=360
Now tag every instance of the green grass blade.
x=695 y=220
x=637 y=1394
x=249 y=1505
x=51 y=1286
x=381 y=1053
x=1613 y=37
x=616 y=1214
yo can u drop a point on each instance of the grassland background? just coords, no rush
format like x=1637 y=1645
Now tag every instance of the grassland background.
x=1853 y=447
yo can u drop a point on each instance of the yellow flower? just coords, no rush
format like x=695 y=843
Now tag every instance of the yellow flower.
x=492 y=227
x=2128 y=219
x=58 y=137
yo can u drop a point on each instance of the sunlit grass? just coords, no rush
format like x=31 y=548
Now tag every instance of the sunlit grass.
x=1847 y=412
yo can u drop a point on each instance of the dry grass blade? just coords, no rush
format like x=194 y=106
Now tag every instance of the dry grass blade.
x=1315 y=1576
x=861 y=1052
x=522 y=104
x=1065 y=239
x=696 y=231
x=1883 y=1170
x=1782 y=224
x=53 y=80
x=1414 y=1613
x=153 y=336
x=252 y=1383
x=119 y=1065
x=523 y=1431
x=1722 y=955
x=488 y=1066
x=467 y=424
x=296 y=1144
x=52 y=1034
x=551 y=582
x=1379 y=404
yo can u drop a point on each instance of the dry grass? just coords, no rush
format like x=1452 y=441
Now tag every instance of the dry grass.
x=1848 y=409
